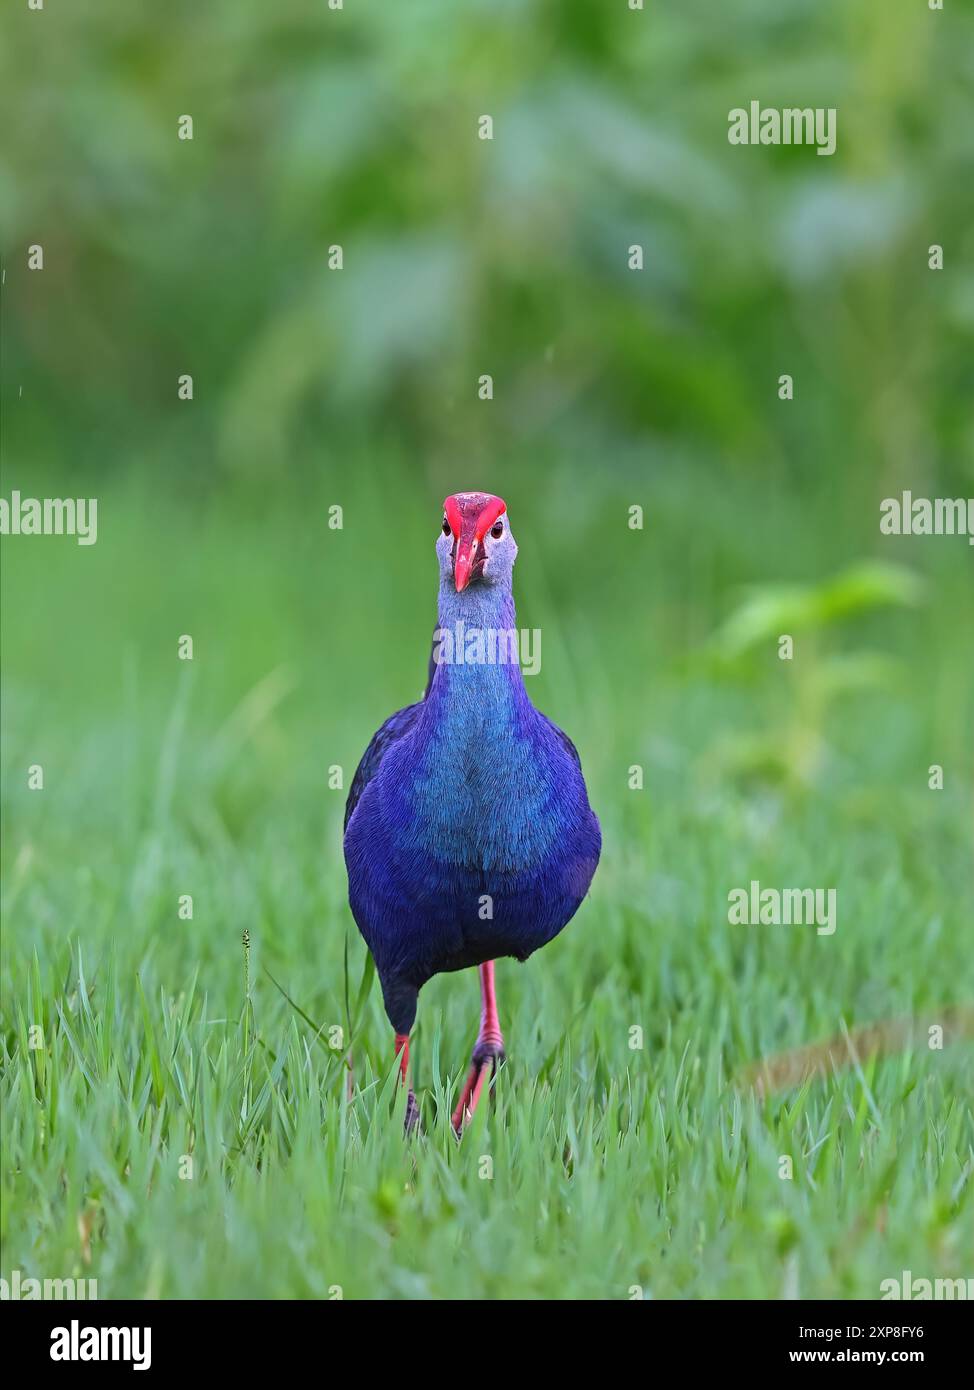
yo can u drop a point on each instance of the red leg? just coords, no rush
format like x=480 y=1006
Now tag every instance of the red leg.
x=402 y=1052
x=488 y=1053
x=412 y=1108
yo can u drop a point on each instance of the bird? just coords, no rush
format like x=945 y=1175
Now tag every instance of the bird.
x=468 y=833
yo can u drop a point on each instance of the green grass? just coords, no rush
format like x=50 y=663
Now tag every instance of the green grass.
x=609 y=1167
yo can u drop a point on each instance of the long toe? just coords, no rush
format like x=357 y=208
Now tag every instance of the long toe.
x=469 y=1096
x=487 y=1057
x=411 y=1123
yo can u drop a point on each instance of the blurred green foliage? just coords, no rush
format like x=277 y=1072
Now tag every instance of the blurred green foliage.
x=314 y=127
x=358 y=127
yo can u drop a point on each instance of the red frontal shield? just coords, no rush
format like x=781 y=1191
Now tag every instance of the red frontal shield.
x=471 y=515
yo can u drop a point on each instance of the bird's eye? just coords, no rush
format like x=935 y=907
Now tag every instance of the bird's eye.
x=446 y=527
x=497 y=530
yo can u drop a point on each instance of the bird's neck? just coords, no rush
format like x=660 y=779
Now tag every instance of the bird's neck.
x=475 y=735
x=480 y=606
x=477 y=676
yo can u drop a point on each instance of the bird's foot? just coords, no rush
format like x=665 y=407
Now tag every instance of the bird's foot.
x=411 y=1124
x=487 y=1056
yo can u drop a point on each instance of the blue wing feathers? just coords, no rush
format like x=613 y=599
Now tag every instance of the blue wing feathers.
x=395 y=728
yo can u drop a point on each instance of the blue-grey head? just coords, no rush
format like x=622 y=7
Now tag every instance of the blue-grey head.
x=476 y=545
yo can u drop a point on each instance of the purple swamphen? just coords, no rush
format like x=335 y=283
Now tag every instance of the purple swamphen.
x=468 y=833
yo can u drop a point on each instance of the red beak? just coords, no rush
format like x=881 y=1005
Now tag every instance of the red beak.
x=463 y=568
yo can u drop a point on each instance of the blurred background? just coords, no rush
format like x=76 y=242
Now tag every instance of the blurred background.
x=315 y=387
x=612 y=388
